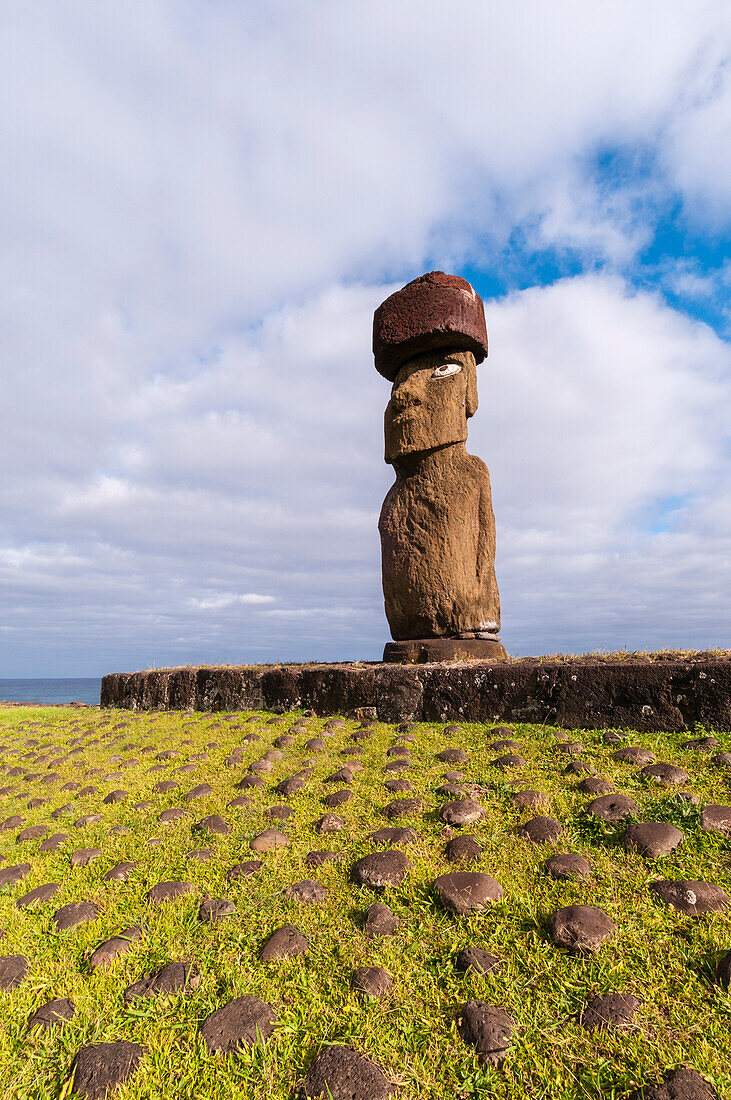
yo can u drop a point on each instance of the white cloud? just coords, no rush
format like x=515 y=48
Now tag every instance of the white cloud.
x=201 y=208
x=226 y=599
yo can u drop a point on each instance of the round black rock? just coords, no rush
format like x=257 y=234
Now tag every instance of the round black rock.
x=286 y=942
x=541 y=830
x=102 y=1067
x=580 y=928
x=634 y=754
x=693 y=898
x=380 y=869
x=168 y=891
x=613 y=807
x=665 y=775
x=394 y=835
x=464 y=892
x=679 y=1084
x=652 y=838
x=463 y=849
x=463 y=811
x=337 y=798
x=593 y=784
x=307 y=892
x=52 y=1014
x=722 y=973
x=339 y=1073
x=403 y=807
x=609 y=1010
x=373 y=981
x=488 y=1029
x=242 y=1022
x=474 y=958
x=13 y=969
x=177 y=977
x=380 y=920
x=77 y=912
x=568 y=865
x=213 y=910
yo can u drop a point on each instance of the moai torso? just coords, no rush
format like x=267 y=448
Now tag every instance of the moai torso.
x=438 y=548
x=437 y=525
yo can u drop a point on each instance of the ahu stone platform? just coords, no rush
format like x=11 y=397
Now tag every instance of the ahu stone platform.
x=641 y=693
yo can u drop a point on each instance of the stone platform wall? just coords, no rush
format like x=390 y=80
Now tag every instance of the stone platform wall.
x=584 y=693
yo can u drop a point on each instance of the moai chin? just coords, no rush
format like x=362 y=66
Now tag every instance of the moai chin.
x=437 y=525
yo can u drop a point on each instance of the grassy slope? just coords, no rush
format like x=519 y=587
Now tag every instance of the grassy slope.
x=659 y=955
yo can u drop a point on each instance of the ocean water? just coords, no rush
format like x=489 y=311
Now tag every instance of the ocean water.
x=54 y=690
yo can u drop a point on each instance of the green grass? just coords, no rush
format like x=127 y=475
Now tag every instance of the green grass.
x=659 y=955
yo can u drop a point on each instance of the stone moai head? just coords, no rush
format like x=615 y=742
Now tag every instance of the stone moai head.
x=427 y=339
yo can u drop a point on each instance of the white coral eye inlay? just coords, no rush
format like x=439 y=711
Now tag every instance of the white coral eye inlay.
x=446 y=370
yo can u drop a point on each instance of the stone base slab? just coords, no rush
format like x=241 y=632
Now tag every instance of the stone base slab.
x=420 y=651
x=575 y=693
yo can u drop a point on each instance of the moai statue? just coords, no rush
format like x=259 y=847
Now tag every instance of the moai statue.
x=437 y=525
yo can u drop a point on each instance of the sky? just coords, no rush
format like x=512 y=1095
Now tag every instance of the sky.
x=201 y=204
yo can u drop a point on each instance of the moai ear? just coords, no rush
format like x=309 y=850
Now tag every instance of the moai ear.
x=471 y=397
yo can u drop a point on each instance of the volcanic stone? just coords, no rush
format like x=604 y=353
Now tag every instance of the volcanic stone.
x=53 y=843
x=120 y=873
x=344 y=775
x=379 y=869
x=701 y=744
x=168 y=891
x=213 y=910
x=52 y=1014
x=339 y=1073
x=291 y=786
x=307 y=892
x=609 y=1010
x=453 y=756
x=503 y=746
x=403 y=807
x=541 y=830
x=634 y=754
x=9 y=876
x=398 y=786
x=594 y=785
x=76 y=912
x=241 y=1022
x=329 y=823
x=463 y=811
x=380 y=920
x=691 y=897
x=474 y=958
x=13 y=969
x=373 y=981
x=250 y=781
x=213 y=824
x=722 y=972
x=463 y=892
x=284 y=943
x=508 y=761
x=394 y=836
x=679 y=1084
x=175 y=813
x=528 y=800
x=268 y=841
x=108 y=951
x=102 y=1067
x=488 y=1029
x=35 y=832
x=653 y=838
x=613 y=807
x=201 y=791
x=39 y=894
x=463 y=849
x=665 y=775
x=175 y=977
x=580 y=928
x=716 y=819
x=243 y=870
x=82 y=857
x=115 y=796
x=722 y=759
x=568 y=865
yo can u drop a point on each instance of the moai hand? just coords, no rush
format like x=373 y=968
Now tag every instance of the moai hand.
x=437 y=525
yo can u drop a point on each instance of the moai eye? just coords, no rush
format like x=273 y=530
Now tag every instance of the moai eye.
x=446 y=370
